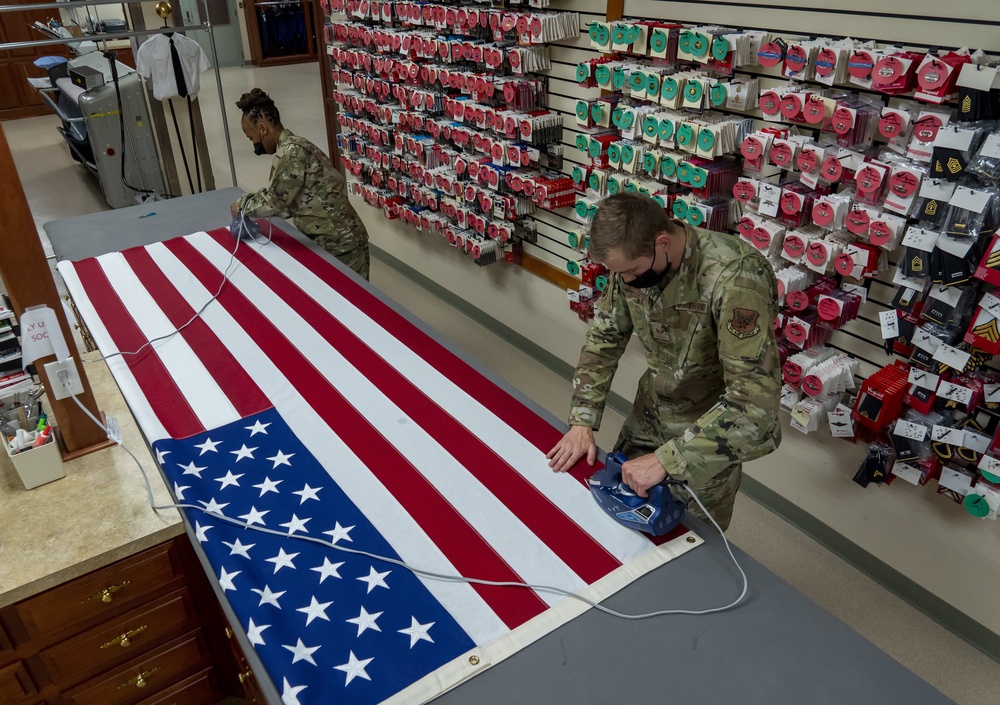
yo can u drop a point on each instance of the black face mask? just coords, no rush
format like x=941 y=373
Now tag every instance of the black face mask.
x=650 y=277
x=258 y=149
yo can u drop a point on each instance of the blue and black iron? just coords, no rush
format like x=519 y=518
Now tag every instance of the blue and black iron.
x=655 y=514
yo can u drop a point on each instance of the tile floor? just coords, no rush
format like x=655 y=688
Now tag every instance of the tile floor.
x=57 y=187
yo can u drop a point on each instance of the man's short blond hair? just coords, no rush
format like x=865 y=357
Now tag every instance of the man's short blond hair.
x=629 y=223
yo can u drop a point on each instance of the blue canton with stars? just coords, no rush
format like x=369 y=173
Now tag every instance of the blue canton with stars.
x=323 y=622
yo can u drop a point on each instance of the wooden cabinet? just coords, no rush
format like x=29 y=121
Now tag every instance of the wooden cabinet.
x=118 y=640
x=200 y=689
x=17 y=98
x=146 y=630
x=131 y=683
x=251 y=690
x=103 y=593
x=262 y=15
x=16 y=686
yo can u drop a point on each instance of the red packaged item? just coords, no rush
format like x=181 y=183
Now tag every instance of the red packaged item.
x=804 y=332
x=989 y=267
x=880 y=400
x=796 y=204
x=983 y=332
x=837 y=308
x=937 y=76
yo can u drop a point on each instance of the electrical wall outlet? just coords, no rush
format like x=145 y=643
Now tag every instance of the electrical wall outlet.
x=56 y=385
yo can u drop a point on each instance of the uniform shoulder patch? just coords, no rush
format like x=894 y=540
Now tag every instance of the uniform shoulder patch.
x=744 y=323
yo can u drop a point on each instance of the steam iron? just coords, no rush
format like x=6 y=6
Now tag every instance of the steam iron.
x=244 y=228
x=656 y=514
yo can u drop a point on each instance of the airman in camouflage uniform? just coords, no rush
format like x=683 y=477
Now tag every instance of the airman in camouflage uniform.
x=708 y=401
x=304 y=186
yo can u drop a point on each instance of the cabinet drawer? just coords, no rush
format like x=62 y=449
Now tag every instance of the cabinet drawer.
x=144 y=677
x=6 y=646
x=200 y=689
x=248 y=681
x=100 y=593
x=119 y=639
x=16 y=685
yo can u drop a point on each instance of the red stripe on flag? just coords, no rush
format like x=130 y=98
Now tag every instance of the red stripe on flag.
x=584 y=556
x=465 y=549
x=159 y=388
x=238 y=386
x=512 y=412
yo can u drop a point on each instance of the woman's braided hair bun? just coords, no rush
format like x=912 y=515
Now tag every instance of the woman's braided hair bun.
x=256 y=105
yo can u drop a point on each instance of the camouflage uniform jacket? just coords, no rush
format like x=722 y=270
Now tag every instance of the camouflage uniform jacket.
x=307 y=188
x=709 y=399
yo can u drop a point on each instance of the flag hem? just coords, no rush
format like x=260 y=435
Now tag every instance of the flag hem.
x=477 y=660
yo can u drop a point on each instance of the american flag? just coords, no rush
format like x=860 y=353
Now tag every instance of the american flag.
x=301 y=402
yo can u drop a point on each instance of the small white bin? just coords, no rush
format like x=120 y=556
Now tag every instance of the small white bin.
x=37 y=466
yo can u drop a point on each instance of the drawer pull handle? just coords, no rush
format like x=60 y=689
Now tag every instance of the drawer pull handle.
x=124 y=640
x=139 y=681
x=107 y=594
x=245 y=676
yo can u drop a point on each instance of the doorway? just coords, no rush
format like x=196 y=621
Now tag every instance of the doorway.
x=225 y=26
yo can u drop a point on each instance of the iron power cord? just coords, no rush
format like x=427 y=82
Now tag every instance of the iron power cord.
x=64 y=377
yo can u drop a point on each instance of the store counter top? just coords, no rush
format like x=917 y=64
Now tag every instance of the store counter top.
x=97 y=514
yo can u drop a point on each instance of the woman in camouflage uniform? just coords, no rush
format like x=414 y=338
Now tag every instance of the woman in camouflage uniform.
x=305 y=187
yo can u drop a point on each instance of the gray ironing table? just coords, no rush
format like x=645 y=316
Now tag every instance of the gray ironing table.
x=777 y=648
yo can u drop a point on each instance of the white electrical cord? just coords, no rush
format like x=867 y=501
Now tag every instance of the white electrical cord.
x=64 y=377
x=225 y=278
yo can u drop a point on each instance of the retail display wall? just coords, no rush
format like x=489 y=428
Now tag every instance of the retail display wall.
x=857 y=148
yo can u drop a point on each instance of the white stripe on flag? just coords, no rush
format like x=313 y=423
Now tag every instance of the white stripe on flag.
x=564 y=492
x=529 y=556
x=144 y=415
x=389 y=518
x=189 y=374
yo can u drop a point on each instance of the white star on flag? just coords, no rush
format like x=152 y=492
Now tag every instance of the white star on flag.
x=307 y=492
x=212 y=506
x=301 y=652
x=268 y=485
x=243 y=452
x=254 y=517
x=208 y=445
x=375 y=579
x=290 y=693
x=281 y=459
x=417 y=631
x=161 y=454
x=192 y=469
x=229 y=479
x=327 y=569
x=296 y=524
x=268 y=597
x=282 y=560
x=339 y=532
x=315 y=609
x=226 y=579
x=237 y=548
x=254 y=632
x=365 y=621
x=258 y=427
x=179 y=491
x=201 y=532
x=355 y=668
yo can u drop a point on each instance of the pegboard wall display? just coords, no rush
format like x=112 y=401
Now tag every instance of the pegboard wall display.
x=444 y=119
x=867 y=172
